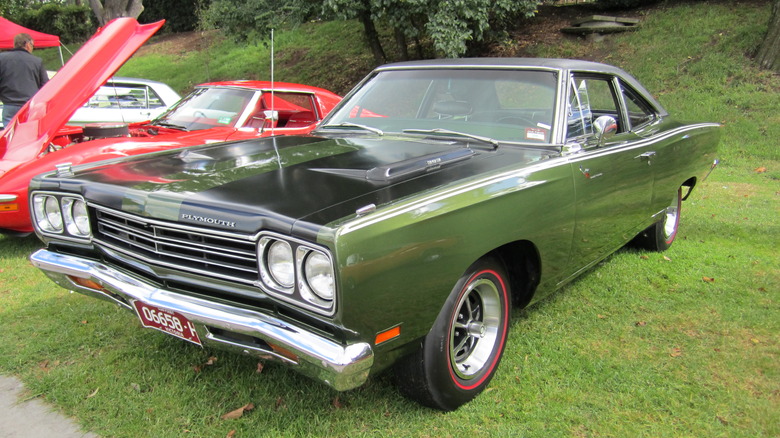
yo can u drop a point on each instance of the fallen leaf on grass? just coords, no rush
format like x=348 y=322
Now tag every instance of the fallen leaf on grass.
x=336 y=403
x=755 y=340
x=211 y=361
x=708 y=279
x=231 y=434
x=676 y=352
x=761 y=169
x=259 y=367
x=722 y=420
x=600 y=316
x=238 y=413
x=644 y=257
x=280 y=403
x=94 y=393
x=640 y=323
x=667 y=259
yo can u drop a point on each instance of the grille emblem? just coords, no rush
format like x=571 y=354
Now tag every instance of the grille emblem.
x=208 y=220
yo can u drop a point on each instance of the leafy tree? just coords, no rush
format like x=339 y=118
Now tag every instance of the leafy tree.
x=452 y=26
x=253 y=19
x=110 y=9
x=769 y=53
x=10 y=9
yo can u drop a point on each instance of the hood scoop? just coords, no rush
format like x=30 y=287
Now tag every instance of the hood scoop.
x=406 y=168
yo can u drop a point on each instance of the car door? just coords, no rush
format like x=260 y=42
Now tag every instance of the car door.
x=613 y=178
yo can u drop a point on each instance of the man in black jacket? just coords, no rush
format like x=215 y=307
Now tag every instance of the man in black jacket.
x=21 y=75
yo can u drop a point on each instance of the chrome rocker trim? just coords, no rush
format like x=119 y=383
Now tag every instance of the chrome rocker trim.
x=342 y=367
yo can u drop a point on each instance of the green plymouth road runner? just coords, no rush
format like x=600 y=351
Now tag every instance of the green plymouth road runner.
x=433 y=199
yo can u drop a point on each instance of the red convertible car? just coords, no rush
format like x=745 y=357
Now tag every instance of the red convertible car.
x=37 y=139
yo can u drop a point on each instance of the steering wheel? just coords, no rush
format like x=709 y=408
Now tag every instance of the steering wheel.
x=515 y=120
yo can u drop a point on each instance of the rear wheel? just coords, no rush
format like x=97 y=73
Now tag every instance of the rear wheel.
x=460 y=354
x=661 y=235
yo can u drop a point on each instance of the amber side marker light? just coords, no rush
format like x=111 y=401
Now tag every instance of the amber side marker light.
x=86 y=283
x=387 y=335
x=284 y=352
x=9 y=207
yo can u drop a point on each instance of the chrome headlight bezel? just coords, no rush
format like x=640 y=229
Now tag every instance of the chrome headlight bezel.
x=304 y=291
x=317 y=280
x=61 y=215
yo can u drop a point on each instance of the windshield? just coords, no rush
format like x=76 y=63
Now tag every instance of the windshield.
x=505 y=105
x=207 y=108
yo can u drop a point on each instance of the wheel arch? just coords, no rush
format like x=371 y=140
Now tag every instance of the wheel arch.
x=690 y=183
x=523 y=265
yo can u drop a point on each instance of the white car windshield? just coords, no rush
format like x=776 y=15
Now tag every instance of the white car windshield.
x=504 y=105
x=207 y=108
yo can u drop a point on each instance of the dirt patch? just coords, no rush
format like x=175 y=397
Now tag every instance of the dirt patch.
x=180 y=43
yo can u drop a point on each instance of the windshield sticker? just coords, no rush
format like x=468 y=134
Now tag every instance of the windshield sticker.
x=535 y=134
x=224 y=120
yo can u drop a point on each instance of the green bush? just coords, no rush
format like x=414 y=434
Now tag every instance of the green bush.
x=71 y=23
x=179 y=15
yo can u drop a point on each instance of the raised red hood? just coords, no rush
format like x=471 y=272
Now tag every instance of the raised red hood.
x=34 y=126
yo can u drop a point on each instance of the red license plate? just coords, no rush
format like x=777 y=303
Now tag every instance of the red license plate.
x=168 y=321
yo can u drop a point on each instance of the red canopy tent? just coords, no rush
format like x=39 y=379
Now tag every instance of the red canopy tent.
x=9 y=29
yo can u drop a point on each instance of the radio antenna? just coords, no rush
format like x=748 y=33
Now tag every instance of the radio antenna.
x=274 y=116
x=273 y=122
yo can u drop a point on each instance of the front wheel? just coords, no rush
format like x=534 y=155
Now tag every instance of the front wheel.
x=461 y=352
x=661 y=235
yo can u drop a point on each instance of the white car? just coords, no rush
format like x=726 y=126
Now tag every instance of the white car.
x=124 y=100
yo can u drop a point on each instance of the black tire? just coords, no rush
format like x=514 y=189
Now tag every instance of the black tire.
x=460 y=354
x=661 y=235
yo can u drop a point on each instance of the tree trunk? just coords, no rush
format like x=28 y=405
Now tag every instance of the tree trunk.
x=110 y=9
x=769 y=53
x=372 y=36
x=400 y=41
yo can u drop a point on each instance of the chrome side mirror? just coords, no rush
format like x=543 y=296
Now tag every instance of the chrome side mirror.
x=606 y=127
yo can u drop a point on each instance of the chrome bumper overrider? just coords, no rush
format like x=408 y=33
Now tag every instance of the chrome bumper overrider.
x=340 y=366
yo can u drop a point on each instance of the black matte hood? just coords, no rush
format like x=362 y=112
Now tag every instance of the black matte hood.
x=273 y=183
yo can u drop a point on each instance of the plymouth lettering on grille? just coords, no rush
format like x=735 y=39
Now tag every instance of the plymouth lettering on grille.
x=208 y=220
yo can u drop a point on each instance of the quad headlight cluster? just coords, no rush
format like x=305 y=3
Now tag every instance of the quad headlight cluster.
x=61 y=215
x=297 y=271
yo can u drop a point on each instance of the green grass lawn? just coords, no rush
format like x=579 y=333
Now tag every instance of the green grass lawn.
x=680 y=343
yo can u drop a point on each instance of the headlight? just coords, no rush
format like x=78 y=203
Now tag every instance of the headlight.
x=75 y=217
x=318 y=275
x=280 y=263
x=298 y=272
x=64 y=215
x=47 y=213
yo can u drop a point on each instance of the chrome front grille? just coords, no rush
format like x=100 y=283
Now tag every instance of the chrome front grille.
x=194 y=249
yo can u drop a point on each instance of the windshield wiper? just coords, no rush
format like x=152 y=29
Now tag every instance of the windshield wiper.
x=454 y=133
x=169 y=125
x=355 y=125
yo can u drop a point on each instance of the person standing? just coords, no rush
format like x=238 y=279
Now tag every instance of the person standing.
x=21 y=75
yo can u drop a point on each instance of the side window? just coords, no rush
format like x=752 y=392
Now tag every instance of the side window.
x=639 y=111
x=590 y=97
x=154 y=100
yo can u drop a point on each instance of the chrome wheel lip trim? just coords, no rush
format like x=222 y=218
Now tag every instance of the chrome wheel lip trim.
x=473 y=340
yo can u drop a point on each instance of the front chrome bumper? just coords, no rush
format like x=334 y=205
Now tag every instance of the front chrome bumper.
x=340 y=366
